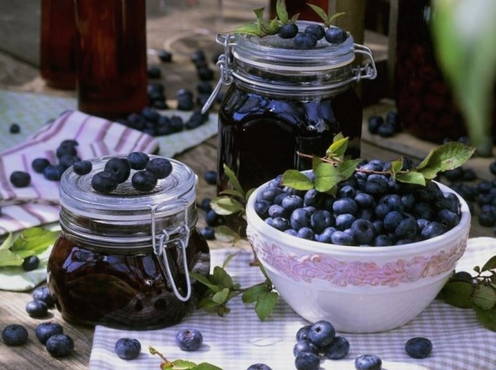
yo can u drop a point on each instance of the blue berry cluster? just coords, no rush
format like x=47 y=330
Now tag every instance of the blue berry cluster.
x=211 y=217
x=369 y=209
x=41 y=303
x=384 y=127
x=308 y=38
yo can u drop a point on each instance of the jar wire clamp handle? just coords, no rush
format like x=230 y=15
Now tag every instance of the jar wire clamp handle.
x=160 y=252
x=369 y=70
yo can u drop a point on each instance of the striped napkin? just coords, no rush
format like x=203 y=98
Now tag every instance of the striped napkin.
x=38 y=204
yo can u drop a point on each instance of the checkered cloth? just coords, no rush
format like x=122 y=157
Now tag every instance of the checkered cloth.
x=240 y=339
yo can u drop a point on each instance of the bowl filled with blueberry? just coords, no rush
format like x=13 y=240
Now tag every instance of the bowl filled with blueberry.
x=368 y=254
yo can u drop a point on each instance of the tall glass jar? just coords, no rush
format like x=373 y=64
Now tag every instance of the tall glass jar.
x=58 y=44
x=111 y=75
x=282 y=101
x=124 y=259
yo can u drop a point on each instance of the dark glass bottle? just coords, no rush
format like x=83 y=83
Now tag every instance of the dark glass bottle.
x=58 y=43
x=111 y=76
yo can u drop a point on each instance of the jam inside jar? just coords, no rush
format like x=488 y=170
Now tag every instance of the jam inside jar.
x=124 y=260
x=283 y=100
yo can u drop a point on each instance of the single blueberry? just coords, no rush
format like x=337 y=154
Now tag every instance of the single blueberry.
x=393 y=201
x=288 y=31
x=304 y=346
x=432 y=229
x=36 y=308
x=210 y=177
x=448 y=218
x=104 y=182
x=144 y=181
x=368 y=362
x=280 y=223
x=213 y=219
x=454 y=174
x=302 y=333
x=304 y=41
x=345 y=205
x=66 y=149
x=313 y=198
x=347 y=191
x=342 y=238
x=150 y=114
x=82 y=167
x=278 y=199
x=205 y=204
x=268 y=194
x=376 y=184
x=164 y=55
x=154 y=72
x=291 y=232
x=269 y=221
x=205 y=73
x=418 y=347
x=421 y=222
x=14 y=128
x=316 y=31
x=383 y=241
x=30 y=263
x=127 y=348
x=374 y=123
x=335 y=35
x=259 y=367
x=198 y=57
x=208 y=233
x=39 y=164
x=321 y=333
x=381 y=210
x=20 y=179
x=300 y=218
x=119 y=167
x=14 y=335
x=321 y=219
x=378 y=226
x=392 y=220
x=292 y=202
x=338 y=349
x=366 y=214
x=408 y=201
x=59 y=345
x=386 y=130
x=364 y=200
x=277 y=211
x=407 y=229
x=363 y=231
x=326 y=235
x=307 y=361
x=160 y=167
x=43 y=294
x=46 y=330
x=189 y=339
x=306 y=233
x=344 y=221
x=262 y=208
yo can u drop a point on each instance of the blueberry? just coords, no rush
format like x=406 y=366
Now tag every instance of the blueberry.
x=320 y=220
x=386 y=130
x=306 y=233
x=381 y=210
x=30 y=263
x=36 y=308
x=304 y=41
x=269 y=193
x=448 y=218
x=418 y=347
x=378 y=226
x=374 y=123
x=104 y=182
x=345 y=205
x=344 y=221
x=300 y=218
x=291 y=232
x=205 y=74
x=208 y=233
x=164 y=55
x=432 y=229
x=154 y=72
x=342 y=238
x=262 y=208
x=185 y=102
x=189 y=339
x=487 y=219
x=326 y=235
x=302 y=332
x=407 y=229
x=205 y=204
x=280 y=223
x=363 y=231
x=43 y=294
x=376 y=184
x=312 y=198
x=277 y=211
x=119 y=167
x=421 y=222
x=20 y=179
x=346 y=191
x=288 y=31
x=304 y=346
x=423 y=210
x=366 y=214
x=321 y=333
x=454 y=174
x=278 y=199
x=307 y=361
x=39 y=164
x=177 y=123
x=484 y=187
x=259 y=367
x=138 y=160
x=213 y=219
x=335 y=35
x=364 y=200
x=46 y=330
x=59 y=345
x=392 y=220
x=196 y=120
x=393 y=201
x=269 y=221
x=14 y=128
x=368 y=362
x=408 y=201
x=198 y=57
x=210 y=177
x=338 y=349
x=14 y=335
x=463 y=276
x=292 y=202
x=144 y=181
x=316 y=31
x=160 y=167
x=383 y=241
x=66 y=149
x=374 y=165
x=204 y=87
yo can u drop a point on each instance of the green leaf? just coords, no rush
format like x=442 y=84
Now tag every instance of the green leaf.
x=7 y=258
x=445 y=157
x=273 y=27
x=33 y=241
x=458 y=294
x=296 y=180
x=233 y=180
x=205 y=281
x=183 y=365
x=396 y=166
x=232 y=193
x=486 y=317
x=490 y=265
x=228 y=260
x=326 y=177
x=338 y=148
x=253 y=293
x=295 y=17
x=249 y=29
x=347 y=168
x=206 y=366
x=484 y=297
x=320 y=12
x=265 y=304
x=208 y=305
x=226 y=206
x=336 y=16
x=221 y=296
x=338 y=137
x=411 y=177
x=281 y=11
x=225 y=234
x=222 y=278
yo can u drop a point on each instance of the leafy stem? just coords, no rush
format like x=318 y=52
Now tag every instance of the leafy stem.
x=181 y=364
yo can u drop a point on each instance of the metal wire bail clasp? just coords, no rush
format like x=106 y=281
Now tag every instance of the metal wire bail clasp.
x=159 y=244
x=369 y=70
x=223 y=64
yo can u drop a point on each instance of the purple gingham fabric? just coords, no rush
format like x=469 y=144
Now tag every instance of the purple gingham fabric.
x=240 y=339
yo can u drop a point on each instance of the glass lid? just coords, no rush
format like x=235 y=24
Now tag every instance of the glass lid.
x=171 y=195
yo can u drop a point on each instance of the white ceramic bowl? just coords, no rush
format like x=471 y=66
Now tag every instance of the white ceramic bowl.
x=358 y=289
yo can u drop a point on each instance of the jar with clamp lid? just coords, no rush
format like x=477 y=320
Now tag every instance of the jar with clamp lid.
x=283 y=100
x=124 y=259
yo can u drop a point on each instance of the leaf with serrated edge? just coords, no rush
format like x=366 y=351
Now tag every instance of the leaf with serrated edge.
x=296 y=180
x=326 y=177
x=281 y=11
x=486 y=317
x=265 y=305
x=251 y=294
x=221 y=296
x=233 y=180
x=226 y=206
x=411 y=177
x=484 y=297
x=320 y=12
x=458 y=294
x=445 y=157
x=338 y=148
x=490 y=264
x=225 y=234
x=222 y=278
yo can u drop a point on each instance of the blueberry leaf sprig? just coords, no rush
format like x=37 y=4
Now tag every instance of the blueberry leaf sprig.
x=327 y=17
x=181 y=364
x=474 y=292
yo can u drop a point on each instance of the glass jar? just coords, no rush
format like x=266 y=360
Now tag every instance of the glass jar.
x=124 y=259
x=111 y=47
x=58 y=44
x=282 y=101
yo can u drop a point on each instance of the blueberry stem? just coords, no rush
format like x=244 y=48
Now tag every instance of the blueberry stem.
x=166 y=362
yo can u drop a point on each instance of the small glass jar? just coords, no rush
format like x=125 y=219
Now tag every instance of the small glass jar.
x=124 y=259
x=282 y=101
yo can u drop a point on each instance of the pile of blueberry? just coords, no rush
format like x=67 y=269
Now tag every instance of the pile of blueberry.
x=199 y=59
x=211 y=217
x=385 y=128
x=369 y=209
x=117 y=171
x=156 y=95
x=308 y=38
x=50 y=334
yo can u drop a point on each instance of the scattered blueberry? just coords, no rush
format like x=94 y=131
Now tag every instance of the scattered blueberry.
x=127 y=348
x=46 y=330
x=259 y=367
x=418 y=347
x=307 y=361
x=335 y=35
x=14 y=335
x=119 y=168
x=205 y=204
x=288 y=31
x=20 y=179
x=189 y=339
x=14 y=128
x=321 y=333
x=144 y=181
x=138 y=160
x=164 y=55
x=304 y=41
x=30 y=263
x=82 y=167
x=368 y=362
x=386 y=130
x=304 y=346
x=302 y=333
x=104 y=182
x=160 y=167
x=39 y=164
x=205 y=73
x=213 y=219
x=37 y=309
x=338 y=349
x=60 y=345
x=154 y=72
x=208 y=233
x=210 y=177
x=43 y=294
x=316 y=31
x=374 y=123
